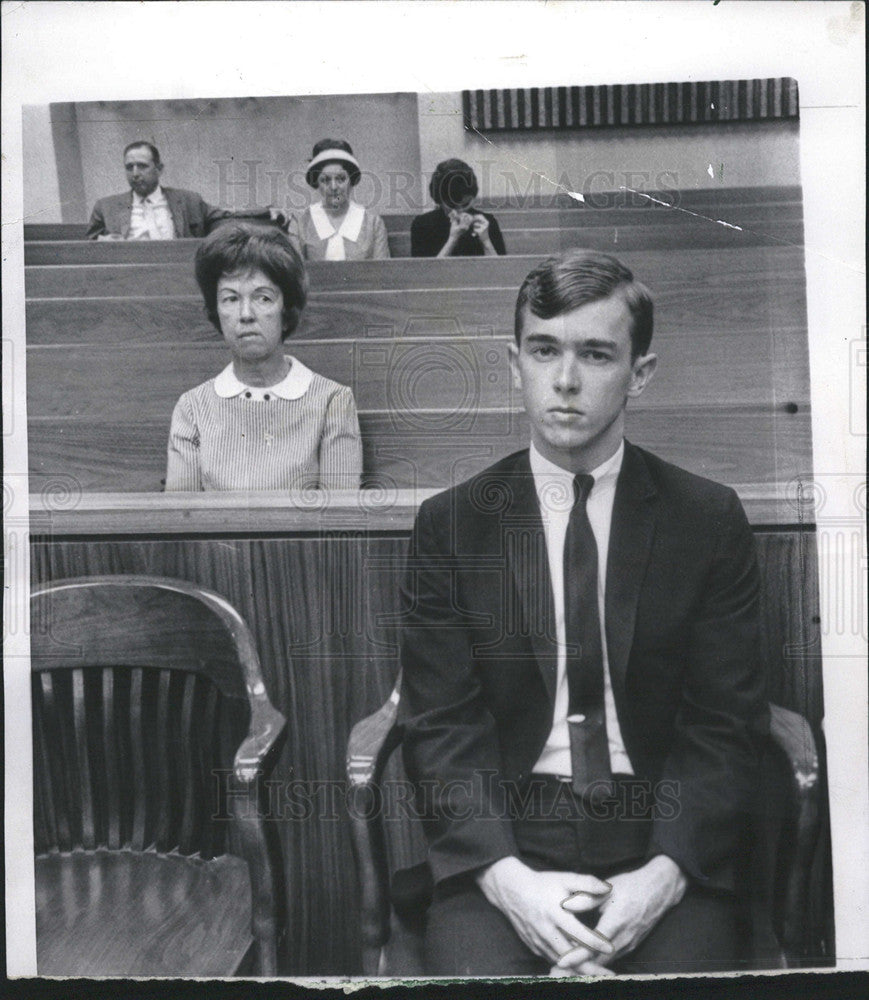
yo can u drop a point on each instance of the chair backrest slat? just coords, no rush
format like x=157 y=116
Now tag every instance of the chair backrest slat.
x=205 y=753
x=50 y=833
x=111 y=751
x=137 y=753
x=188 y=779
x=57 y=753
x=163 y=773
x=86 y=798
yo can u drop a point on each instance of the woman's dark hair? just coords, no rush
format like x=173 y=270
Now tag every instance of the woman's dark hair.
x=313 y=173
x=561 y=284
x=245 y=246
x=452 y=182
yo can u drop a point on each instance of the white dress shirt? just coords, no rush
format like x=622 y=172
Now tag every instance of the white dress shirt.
x=150 y=217
x=554 y=487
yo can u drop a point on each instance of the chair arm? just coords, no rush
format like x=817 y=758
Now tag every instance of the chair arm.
x=253 y=760
x=266 y=727
x=793 y=735
x=371 y=742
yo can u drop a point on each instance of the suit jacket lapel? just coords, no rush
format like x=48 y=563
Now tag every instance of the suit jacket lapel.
x=633 y=526
x=525 y=552
x=125 y=215
x=176 y=208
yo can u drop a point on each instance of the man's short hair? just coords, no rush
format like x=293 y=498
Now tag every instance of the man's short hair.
x=155 y=153
x=577 y=277
x=246 y=246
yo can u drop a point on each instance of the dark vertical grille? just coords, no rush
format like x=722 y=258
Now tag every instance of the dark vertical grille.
x=630 y=104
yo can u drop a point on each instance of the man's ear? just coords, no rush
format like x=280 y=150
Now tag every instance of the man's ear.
x=513 y=352
x=642 y=371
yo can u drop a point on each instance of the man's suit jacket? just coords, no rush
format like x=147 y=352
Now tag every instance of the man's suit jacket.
x=192 y=216
x=478 y=655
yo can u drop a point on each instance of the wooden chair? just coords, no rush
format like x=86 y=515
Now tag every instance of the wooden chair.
x=782 y=838
x=152 y=730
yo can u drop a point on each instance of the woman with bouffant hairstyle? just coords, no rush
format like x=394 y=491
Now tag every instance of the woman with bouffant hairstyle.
x=455 y=228
x=266 y=422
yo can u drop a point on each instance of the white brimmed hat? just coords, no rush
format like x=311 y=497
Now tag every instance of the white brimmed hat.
x=333 y=155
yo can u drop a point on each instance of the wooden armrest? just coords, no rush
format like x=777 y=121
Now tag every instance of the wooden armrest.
x=371 y=742
x=267 y=725
x=793 y=735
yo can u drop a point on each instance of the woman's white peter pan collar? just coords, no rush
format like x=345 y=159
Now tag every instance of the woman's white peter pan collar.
x=349 y=228
x=293 y=386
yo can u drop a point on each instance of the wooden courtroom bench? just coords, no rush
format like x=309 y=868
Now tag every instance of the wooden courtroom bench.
x=423 y=344
x=316 y=580
x=605 y=220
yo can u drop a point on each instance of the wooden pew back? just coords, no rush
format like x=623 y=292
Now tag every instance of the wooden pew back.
x=424 y=345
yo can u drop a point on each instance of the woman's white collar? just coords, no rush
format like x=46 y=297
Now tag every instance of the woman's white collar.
x=293 y=386
x=350 y=227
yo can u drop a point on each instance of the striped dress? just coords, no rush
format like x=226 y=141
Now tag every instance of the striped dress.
x=298 y=435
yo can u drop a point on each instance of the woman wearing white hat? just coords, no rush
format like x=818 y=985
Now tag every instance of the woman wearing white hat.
x=337 y=228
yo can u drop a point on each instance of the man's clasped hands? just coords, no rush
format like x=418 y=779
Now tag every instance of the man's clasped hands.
x=544 y=908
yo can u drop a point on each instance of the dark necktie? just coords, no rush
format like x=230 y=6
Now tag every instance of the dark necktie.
x=586 y=716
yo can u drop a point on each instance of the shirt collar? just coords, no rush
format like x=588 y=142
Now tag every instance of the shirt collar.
x=293 y=386
x=350 y=227
x=156 y=197
x=548 y=475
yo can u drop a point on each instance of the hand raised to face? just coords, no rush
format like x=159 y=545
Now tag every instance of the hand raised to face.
x=460 y=222
x=480 y=226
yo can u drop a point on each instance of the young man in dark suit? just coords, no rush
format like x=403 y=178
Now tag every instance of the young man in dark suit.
x=582 y=693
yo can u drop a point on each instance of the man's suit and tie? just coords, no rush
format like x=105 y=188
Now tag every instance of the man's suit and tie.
x=681 y=622
x=191 y=215
x=483 y=691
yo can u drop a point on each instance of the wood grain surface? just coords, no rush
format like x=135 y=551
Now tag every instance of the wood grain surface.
x=192 y=917
x=548 y=236
x=725 y=298
x=462 y=375
x=520 y=209
x=752 y=446
x=651 y=266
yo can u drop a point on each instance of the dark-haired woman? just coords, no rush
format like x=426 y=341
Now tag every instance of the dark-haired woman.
x=455 y=228
x=336 y=227
x=266 y=422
